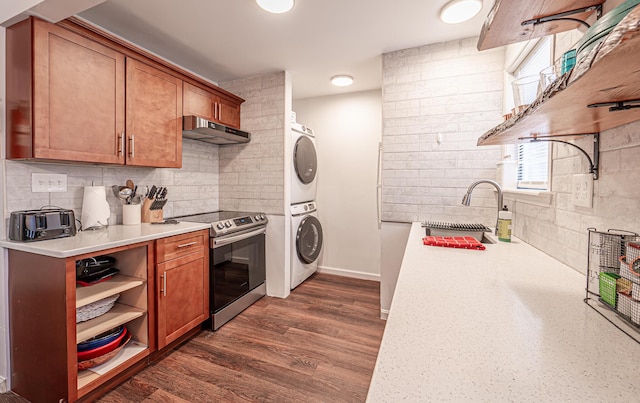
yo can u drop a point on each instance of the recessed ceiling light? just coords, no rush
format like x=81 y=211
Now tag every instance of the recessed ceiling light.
x=276 y=6
x=342 y=80
x=457 y=11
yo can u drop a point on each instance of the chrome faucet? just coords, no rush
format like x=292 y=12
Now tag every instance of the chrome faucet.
x=466 y=199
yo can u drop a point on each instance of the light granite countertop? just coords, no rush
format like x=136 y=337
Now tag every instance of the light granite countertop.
x=106 y=238
x=504 y=324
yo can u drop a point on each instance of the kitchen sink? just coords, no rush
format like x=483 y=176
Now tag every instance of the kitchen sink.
x=480 y=232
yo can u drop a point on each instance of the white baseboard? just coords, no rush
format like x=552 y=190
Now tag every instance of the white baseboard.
x=349 y=273
x=384 y=314
x=3 y=385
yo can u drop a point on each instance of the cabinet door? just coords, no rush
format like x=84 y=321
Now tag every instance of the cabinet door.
x=153 y=116
x=78 y=97
x=197 y=102
x=227 y=112
x=183 y=303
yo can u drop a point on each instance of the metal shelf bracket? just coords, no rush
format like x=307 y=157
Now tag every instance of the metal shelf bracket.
x=564 y=16
x=593 y=163
x=618 y=106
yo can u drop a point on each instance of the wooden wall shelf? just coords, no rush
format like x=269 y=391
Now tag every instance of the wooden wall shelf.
x=503 y=24
x=613 y=75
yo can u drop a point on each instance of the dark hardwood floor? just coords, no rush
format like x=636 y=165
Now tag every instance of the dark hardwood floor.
x=318 y=345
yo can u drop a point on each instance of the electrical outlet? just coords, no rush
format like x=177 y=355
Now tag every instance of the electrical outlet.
x=582 y=190
x=48 y=183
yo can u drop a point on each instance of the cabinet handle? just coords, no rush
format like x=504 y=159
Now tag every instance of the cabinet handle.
x=164 y=284
x=216 y=107
x=184 y=245
x=132 y=146
x=219 y=112
x=121 y=144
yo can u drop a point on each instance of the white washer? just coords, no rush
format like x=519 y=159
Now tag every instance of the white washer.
x=304 y=164
x=306 y=242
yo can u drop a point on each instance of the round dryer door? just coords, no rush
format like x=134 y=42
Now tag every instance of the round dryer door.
x=305 y=161
x=309 y=239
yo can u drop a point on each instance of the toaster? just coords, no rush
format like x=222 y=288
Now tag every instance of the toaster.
x=39 y=225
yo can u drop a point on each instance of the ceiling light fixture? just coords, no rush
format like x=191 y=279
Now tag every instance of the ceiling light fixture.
x=276 y=6
x=457 y=11
x=341 y=80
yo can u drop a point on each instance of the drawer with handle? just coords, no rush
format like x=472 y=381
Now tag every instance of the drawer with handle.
x=180 y=245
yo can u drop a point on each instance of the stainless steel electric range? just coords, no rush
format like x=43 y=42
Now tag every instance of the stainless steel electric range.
x=237 y=262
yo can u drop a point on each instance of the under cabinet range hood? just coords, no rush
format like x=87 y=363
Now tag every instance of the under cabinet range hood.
x=196 y=128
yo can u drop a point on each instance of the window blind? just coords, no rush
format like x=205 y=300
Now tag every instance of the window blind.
x=536 y=61
x=533 y=165
x=533 y=158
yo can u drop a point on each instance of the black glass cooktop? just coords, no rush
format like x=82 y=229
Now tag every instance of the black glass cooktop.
x=215 y=216
x=226 y=222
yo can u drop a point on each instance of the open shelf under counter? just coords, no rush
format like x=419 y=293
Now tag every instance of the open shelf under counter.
x=613 y=76
x=130 y=354
x=119 y=283
x=118 y=315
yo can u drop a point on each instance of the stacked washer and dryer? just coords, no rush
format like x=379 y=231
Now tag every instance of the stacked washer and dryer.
x=306 y=231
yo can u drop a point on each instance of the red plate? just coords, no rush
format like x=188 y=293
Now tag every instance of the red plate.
x=82 y=365
x=98 y=351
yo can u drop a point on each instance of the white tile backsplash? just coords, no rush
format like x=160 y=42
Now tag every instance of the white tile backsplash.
x=192 y=189
x=252 y=174
x=560 y=229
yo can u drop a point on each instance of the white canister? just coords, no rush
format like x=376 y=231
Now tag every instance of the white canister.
x=131 y=214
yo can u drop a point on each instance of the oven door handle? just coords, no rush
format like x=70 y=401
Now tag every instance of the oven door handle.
x=216 y=242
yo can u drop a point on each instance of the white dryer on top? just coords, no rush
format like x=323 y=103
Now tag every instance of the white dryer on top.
x=304 y=164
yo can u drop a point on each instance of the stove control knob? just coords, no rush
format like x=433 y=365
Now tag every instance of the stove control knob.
x=262 y=217
x=258 y=218
x=220 y=225
x=227 y=224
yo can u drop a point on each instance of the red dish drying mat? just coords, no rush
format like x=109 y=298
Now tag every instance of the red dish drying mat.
x=463 y=242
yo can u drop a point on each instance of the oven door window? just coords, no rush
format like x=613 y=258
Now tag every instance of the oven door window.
x=236 y=269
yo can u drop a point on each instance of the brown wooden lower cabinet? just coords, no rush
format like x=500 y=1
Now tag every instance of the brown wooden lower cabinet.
x=182 y=285
x=43 y=301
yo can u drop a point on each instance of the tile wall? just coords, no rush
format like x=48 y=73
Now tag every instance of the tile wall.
x=437 y=100
x=559 y=228
x=252 y=174
x=191 y=189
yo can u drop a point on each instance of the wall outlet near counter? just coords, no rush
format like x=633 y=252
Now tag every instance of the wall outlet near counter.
x=582 y=190
x=48 y=183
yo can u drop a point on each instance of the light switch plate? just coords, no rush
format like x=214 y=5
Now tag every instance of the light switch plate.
x=582 y=190
x=48 y=183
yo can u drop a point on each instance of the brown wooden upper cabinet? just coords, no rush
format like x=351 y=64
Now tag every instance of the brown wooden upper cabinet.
x=217 y=107
x=65 y=100
x=154 y=117
x=75 y=99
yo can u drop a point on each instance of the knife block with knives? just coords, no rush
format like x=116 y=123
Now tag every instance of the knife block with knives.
x=153 y=204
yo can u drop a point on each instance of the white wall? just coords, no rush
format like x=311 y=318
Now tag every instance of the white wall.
x=348 y=131
x=394 y=241
x=4 y=308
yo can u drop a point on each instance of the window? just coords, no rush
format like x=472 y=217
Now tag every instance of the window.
x=533 y=165
x=533 y=158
